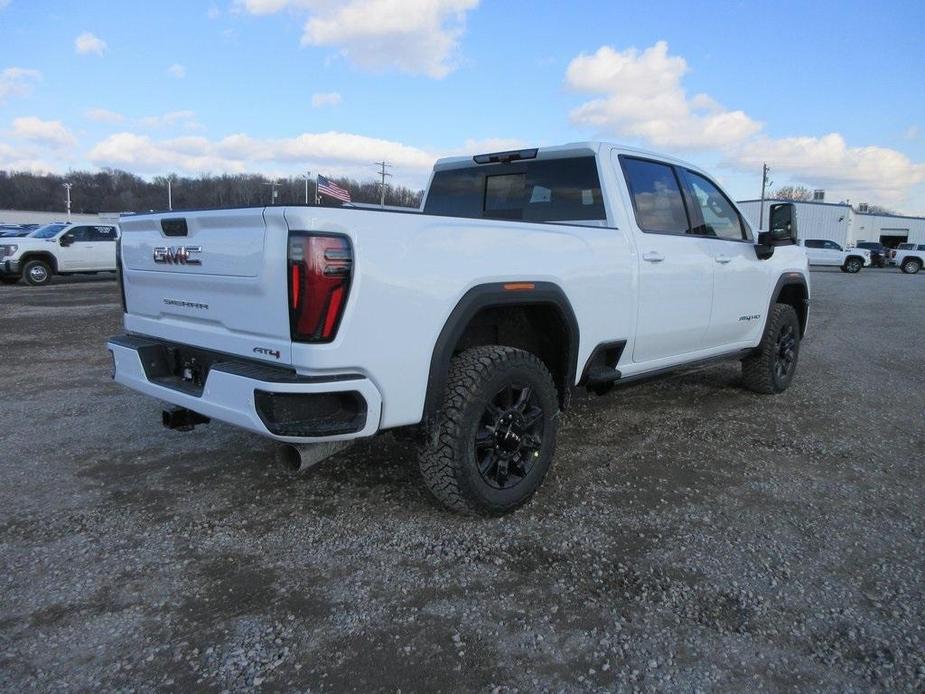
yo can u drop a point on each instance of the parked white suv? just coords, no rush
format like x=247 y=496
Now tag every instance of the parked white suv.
x=58 y=249
x=825 y=252
x=524 y=275
x=910 y=257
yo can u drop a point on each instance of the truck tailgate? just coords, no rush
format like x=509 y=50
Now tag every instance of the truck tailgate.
x=216 y=279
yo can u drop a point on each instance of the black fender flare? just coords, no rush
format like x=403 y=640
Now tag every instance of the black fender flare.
x=786 y=280
x=44 y=256
x=514 y=293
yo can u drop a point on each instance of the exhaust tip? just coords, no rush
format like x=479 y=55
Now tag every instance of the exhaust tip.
x=290 y=457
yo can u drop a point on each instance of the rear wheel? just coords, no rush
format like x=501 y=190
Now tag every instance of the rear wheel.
x=853 y=265
x=911 y=266
x=772 y=367
x=494 y=436
x=36 y=273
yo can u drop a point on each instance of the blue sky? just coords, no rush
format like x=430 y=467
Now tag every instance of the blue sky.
x=830 y=94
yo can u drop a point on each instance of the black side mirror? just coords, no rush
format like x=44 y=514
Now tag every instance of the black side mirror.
x=783 y=224
x=66 y=240
x=782 y=232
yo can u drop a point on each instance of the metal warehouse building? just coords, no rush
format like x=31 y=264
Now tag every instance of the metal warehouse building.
x=841 y=223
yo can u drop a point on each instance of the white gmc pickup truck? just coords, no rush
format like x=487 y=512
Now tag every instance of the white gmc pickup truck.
x=524 y=275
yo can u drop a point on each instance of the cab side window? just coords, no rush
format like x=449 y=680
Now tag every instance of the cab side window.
x=656 y=195
x=718 y=217
x=79 y=234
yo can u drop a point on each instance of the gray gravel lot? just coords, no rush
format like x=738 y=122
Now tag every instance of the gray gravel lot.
x=691 y=535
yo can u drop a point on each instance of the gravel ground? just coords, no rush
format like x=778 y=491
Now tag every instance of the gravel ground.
x=691 y=536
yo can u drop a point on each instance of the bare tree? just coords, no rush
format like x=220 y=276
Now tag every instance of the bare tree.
x=112 y=190
x=797 y=193
x=879 y=209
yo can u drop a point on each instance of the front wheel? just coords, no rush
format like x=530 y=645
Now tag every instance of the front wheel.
x=494 y=436
x=772 y=367
x=36 y=273
x=853 y=265
x=911 y=266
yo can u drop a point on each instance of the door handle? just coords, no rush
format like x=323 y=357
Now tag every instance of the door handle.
x=723 y=259
x=653 y=257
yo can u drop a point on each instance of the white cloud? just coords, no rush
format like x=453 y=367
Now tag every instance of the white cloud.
x=875 y=173
x=171 y=119
x=88 y=43
x=322 y=99
x=4 y=4
x=336 y=152
x=213 y=12
x=413 y=36
x=17 y=81
x=177 y=70
x=102 y=115
x=642 y=97
x=47 y=133
x=913 y=132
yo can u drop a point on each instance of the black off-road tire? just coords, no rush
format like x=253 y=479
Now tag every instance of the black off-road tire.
x=9 y=280
x=762 y=371
x=36 y=273
x=449 y=462
x=853 y=265
x=911 y=266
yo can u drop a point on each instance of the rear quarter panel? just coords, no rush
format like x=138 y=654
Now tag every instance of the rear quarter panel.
x=411 y=270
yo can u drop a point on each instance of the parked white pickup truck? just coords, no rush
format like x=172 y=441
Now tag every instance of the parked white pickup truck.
x=525 y=274
x=910 y=257
x=58 y=249
x=825 y=252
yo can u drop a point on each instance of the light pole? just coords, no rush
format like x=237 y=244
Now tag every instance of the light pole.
x=169 y=195
x=67 y=188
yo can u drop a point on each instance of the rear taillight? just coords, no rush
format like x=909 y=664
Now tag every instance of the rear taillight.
x=320 y=268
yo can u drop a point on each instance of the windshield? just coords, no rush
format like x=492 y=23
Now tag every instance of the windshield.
x=47 y=231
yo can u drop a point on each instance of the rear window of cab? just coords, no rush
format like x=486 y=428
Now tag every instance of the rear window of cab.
x=543 y=190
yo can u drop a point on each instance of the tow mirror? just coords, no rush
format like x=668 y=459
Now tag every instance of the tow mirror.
x=782 y=230
x=783 y=223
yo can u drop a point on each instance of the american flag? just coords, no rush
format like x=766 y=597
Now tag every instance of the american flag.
x=331 y=189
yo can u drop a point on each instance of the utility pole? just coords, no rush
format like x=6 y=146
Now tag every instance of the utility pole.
x=307 y=176
x=67 y=187
x=274 y=193
x=382 y=172
x=764 y=183
x=169 y=195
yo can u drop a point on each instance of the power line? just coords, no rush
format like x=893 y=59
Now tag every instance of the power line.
x=383 y=173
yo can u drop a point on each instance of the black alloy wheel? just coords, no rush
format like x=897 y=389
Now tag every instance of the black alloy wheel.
x=509 y=436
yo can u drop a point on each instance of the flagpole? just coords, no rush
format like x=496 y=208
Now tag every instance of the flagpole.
x=317 y=196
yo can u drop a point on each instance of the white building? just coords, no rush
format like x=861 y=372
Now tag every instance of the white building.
x=841 y=223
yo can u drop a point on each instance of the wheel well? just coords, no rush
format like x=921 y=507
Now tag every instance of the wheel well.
x=795 y=295
x=858 y=257
x=536 y=328
x=533 y=316
x=46 y=257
